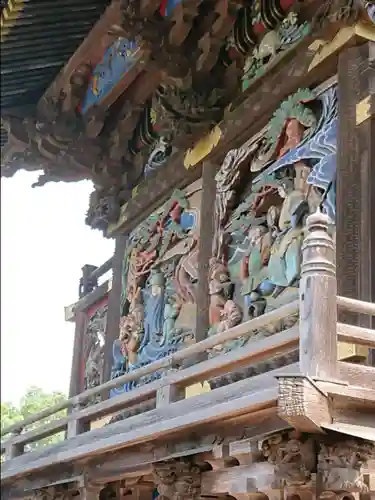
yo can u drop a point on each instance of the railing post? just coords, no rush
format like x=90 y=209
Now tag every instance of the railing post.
x=89 y=490
x=13 y=450
x=318 y=297
x=300 y=402
x=76 y=426
x=169 y=393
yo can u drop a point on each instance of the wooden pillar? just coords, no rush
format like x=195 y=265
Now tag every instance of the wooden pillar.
x=300 y=402
x=356 y=181
x=318 y=292
x=205 y=248
x=76 y=380
x=114 y=303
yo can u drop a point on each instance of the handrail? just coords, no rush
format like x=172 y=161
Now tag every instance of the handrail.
x=356 y=306
x=165 y=363
x=258 y=351
x=356 y=334
x=101 y=270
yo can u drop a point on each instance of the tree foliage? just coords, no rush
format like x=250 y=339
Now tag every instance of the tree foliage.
x=34 y=401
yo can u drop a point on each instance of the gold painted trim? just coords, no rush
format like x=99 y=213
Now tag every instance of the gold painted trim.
x=324 y=48
x=135 y=191
x=363 y=110
x=365 y=30
x=197 y=389
x=9 y=16
x=347 y=351
x=202 y=148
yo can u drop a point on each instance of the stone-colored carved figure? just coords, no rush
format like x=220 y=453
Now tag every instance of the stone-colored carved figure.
x=219 y=285
x=341 y=464
x=172 y=310
x=294 y=458
x=177 y=480
x=131 y=327
x=254 y=272
x=230 y=316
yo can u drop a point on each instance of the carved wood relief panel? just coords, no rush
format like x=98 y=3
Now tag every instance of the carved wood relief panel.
x=93 y=344
x=265 y=190
x=159 y=284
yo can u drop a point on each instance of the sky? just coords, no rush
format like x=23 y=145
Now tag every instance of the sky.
x=44 y=244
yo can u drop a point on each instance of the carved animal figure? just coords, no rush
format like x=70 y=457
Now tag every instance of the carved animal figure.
x=219 y=283
x=268 y=46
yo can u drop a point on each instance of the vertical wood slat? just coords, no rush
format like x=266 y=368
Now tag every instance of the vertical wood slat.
x=114 y=302
x=355 y=184
x=76 y=427
x=76 y=380
x=205 y=248
x=355 y=189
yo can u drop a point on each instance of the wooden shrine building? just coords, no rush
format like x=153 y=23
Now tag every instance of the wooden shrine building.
x=231 y=148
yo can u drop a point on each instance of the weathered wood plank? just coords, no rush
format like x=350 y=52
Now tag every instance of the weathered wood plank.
x=356 y=306
x=225 y=402
x=252 y=353
x=355 y=185
x=163 y=427
x=348 y=391
x=205 y=248
x=165 y=363
x=356 y=335
x=76 y=382
x=357 y=375
x=114 y=301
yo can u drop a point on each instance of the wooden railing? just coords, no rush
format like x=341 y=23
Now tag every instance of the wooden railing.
x=356 y=334
x=164 y=390
x=314 y=337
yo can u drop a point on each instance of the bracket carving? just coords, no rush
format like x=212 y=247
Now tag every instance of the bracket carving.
x=178 y=480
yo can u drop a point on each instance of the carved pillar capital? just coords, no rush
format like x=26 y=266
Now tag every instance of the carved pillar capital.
x=178 y=480
x=318 y=247
x=340 y=464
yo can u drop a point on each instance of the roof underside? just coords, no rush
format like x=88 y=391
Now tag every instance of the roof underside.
x=38 y=37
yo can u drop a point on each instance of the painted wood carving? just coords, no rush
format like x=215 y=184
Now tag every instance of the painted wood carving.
x=168 y=71
x=93 y=344
x=159 y=284
x=265 y=190
x=117 y=60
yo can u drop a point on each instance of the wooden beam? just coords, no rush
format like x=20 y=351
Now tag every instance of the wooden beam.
x=205 y=248
x=240 y=480
x=114 y=302
x=76 y=382
x=302 y=404
x=223 y=403
x=355 y=183
x=357 y=375
x=356 y=334
x=231 y=361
